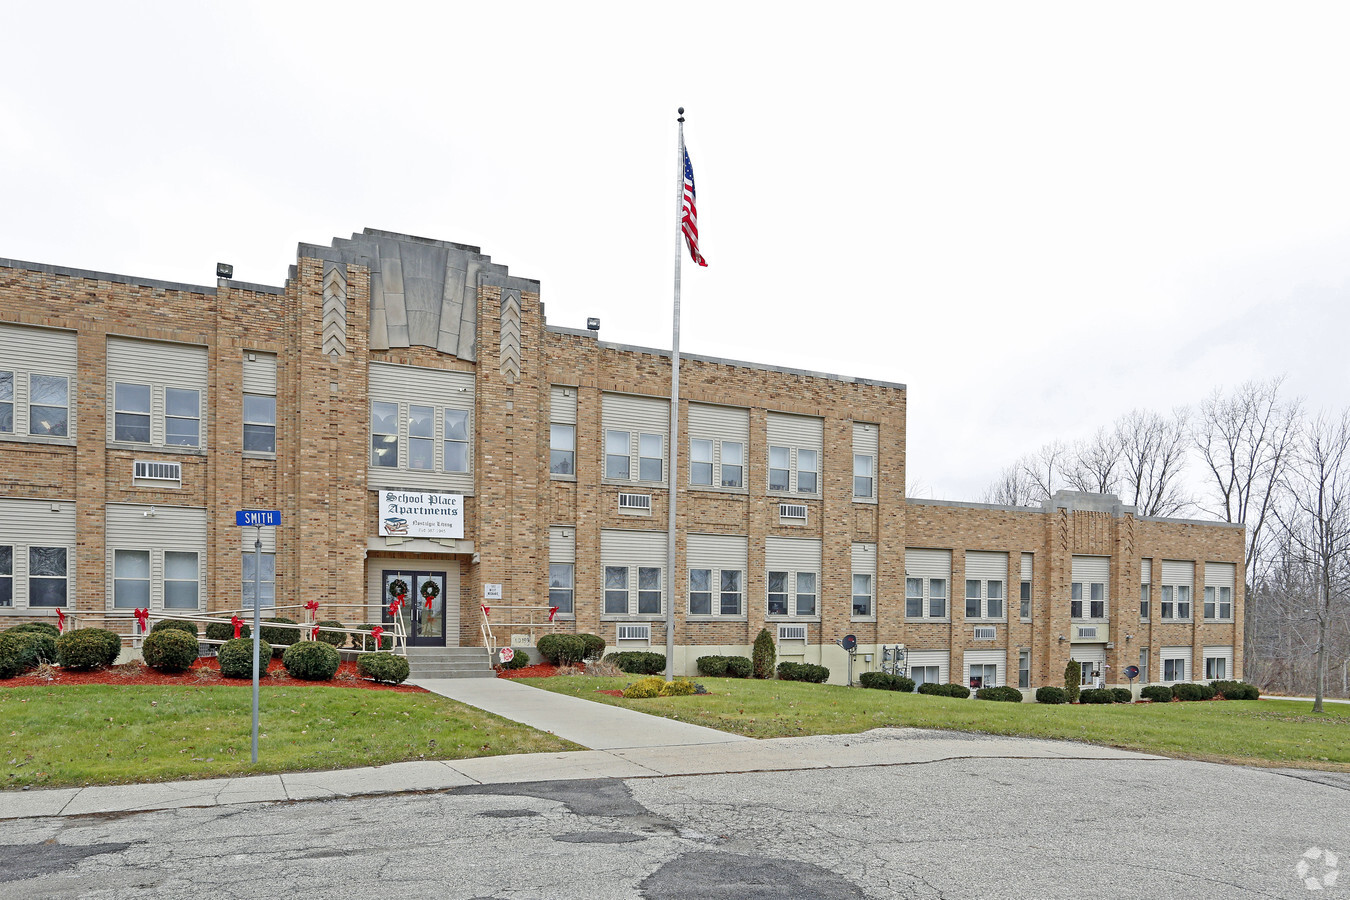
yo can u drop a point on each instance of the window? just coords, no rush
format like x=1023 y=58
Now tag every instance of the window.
x=778 y=597
x=795 y=444
x=1024 y=669
x=700 y=592
x=1085 y=670
x=1225 y=603
x=562 y=450
x=972 y=599
x=649 y=591
x=806 y=593
x=131 y=579
x=927 y=573
x=984 y=598
x=983 y=675
x=266 y=577
x=808 y=471
x=925 y=675
x=180 y=580
x=864 y=467
x=384 y=434
x=733 y=464
x=6 y=575
x=48 y=405
x=1143 y=665
x=47 y=583
x=616 y=454
x=1216 y=668
x=700 y=462
x=7 y=402
x=1183 y=601
x=260 y=424
x=792 y=593
x=1098 y=607
x=937 y=598
x=1174 y=670
x=780 y=470
x=1076 y=600
x=131 y=413
x=914 y=598
x=422 y=437
x=1025 y=599
x=1177 y=578
x=731 y=592
x=1143 y=601
x=616 y=590
x=1096 y=600
x=182 y=417
x=560 y=587
x=1220 y=606
x=1167 y=606
x=862 y=595
x=456 y=457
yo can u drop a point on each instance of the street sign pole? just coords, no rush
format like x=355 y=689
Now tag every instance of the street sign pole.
x=257 y=628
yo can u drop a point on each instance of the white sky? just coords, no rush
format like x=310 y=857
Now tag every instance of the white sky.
x=1037 y=216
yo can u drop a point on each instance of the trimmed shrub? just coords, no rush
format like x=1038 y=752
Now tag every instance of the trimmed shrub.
x=35 y=628
x=385 y=668
x=884 y=681
x=1096 y=695
x=764 y=655
x=87 y=648
x=1073 y=676
x=739 y=667
x=1188 y=691
x=712 y=666
x=637 y=662
x=367 y=642
x=189 y=627
x=562 y=649
x=1158 y=693
x=1052 y=695
x=311 y=660
x=595 y=645
x=680 y=687
x=1002 y=693
x=236 y=657
x=959 y=691
x=644 y=688
x=333 y=638
x=24 y=650
x=809 y=672
x=279 y=637
x=1122 y=695
x=932 y=688
x=1235 y=690
x=519 y=660
x=169 y=649
x=224 y=631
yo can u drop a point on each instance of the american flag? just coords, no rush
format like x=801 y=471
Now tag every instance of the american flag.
x=689 y=214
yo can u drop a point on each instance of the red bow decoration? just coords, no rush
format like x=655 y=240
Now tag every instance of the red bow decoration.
x=552 y=611
x=394 y=607
x=237 y=623
x=428 y=603
x=313 y=607
x=486 y=609
x=314 y=633
x=143 y=617
x=377 y=632
x=60 y=619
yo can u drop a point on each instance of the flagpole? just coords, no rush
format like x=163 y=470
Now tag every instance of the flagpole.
x=674 y=413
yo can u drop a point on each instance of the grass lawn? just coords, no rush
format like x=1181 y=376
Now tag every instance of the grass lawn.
x=1254 y=732
x=100 y=734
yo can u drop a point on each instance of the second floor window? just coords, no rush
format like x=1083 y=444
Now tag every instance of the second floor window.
x=49 y=405
x=562 y=450
x=182 y=417
x=131 y=412
x=384 y=434
x=260 y=424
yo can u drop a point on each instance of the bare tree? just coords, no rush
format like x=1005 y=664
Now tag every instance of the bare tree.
x=1316 y=523
x=1013 y=488
x=1044 y=469
x=1094 y=462
x=1152 y=461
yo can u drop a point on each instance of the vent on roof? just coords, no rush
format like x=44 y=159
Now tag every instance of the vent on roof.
x=985 y=632
x=792 y=632
x=1087 y=632
x=635 y=502
x=792 y=511
x=157 y=471
x=635 y=633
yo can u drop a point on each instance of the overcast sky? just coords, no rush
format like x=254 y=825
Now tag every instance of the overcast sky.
x=1037 y=216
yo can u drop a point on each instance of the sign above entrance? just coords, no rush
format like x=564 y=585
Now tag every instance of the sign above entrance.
x=421 y=514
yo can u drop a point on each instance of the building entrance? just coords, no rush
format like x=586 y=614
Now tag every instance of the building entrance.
x=423 y=611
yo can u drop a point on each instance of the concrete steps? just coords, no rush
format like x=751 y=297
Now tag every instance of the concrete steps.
x=449 y=662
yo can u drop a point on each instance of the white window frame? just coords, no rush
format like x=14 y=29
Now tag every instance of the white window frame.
x=1024 y=669
x=7 y=399
x=717 y=592
x=982 y=597
x=1170 y=665
x=986 y=680
x=148 y=414
x=919 y=674
x=1171 y=605
x=870 y=476
x=404 y=437
x=169 y=417
x=793 y=469
x=195 y=581
x=793 y=593
x=562 y=590
x=7 y=577
x=633 y=590
x=1215 y=603
x=446 y=442
x=63 y=578
x=559 y=434
x=1210 y=675
x=397 y=444
x=1145 y=600
x=121 y=577
x=1083 y=598
x=31 y=405
x=867 y=592
x=265 y=424
x=927 y=596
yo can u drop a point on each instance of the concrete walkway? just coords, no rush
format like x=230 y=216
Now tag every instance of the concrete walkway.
x=597 y=726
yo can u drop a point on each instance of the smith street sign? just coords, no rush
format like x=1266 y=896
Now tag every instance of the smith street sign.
x=257 y=517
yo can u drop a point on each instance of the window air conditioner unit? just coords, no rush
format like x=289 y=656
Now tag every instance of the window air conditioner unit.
x=157 y=471
x=636 y=502
x=985 y=632
x=791 y=632
x=792 y=511
x=635 y=633
x=1087 y=632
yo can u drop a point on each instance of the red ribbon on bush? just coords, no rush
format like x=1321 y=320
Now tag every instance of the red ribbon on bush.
x=237 y=623
x=60 y=619
x=552 y=611
x=143 y=617
x=377 y=632
x=314 y=633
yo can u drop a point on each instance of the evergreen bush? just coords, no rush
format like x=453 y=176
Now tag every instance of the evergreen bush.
x=311 y=660
x=236 y=657
x=21 y=650
x=189 y=627
x=87 y=648
x=637 y=662
x=1051 y=695
x=1002 y=694
x=385 y=668
x=279 y=637
x=791 y=671
x=224 y=631
x=712 y=666
x=367 y=642
x=1073 y=676
x=595 y=645
x=764 y=655
x=1096 y=695
x=333 y=638
x=1235 y=690
x=1122 y=695
x=562 y=649
x=169 y=650
x=932 y=688
x=1158 y=693
x=519 y=660
x=739 y=667
x=46 y=628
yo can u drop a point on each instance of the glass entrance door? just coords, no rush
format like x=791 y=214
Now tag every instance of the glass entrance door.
x=423 y=609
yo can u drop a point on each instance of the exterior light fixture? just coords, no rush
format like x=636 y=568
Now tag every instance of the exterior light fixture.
x=593 y=324
x=224 y=270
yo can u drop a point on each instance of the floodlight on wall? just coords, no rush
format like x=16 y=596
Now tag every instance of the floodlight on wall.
x=1062 y=639
x=224 y=270
x=149 y=513
x=1128 y=638
x=593 y=324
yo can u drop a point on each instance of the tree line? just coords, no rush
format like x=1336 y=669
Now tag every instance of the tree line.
x=1253 y=456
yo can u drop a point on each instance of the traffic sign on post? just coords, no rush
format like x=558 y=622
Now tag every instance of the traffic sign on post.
x=260 y=519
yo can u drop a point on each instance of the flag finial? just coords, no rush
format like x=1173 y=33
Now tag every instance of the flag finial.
x=681 y=119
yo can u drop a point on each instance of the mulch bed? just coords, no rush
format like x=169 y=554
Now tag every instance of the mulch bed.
x=541 y=670
x=205 y=672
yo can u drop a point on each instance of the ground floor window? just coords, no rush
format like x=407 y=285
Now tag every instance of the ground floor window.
x=924 y=674
x=1174 y=670
x=983 y=675
x=47 y=581
x=1024 y=669
x=266 y=574
x=1216 y=668
x=7 y=575
x=560 y=587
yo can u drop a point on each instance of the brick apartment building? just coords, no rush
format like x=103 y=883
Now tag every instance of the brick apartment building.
x=407 y=408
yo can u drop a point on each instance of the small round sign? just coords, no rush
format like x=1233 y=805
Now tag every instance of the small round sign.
x=850 y=642
x=507 y=654
x=1132 y=672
